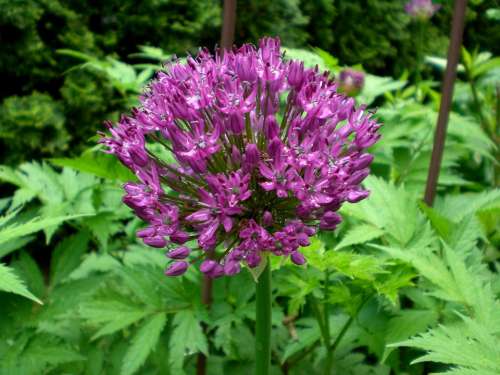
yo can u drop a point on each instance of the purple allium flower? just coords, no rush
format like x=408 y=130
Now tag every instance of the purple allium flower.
x=250 y=177
x=351 y=81
x=421 y=9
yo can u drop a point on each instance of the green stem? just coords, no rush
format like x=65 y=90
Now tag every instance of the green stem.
x=477 y=104
x=263 y=323
x=496 y=138
x=347 y=325
x=419 y=44
x=326 y=312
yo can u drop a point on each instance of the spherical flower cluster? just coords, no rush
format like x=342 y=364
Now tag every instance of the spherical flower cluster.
x=263 y=152
x=351 y=81
x=421 y=9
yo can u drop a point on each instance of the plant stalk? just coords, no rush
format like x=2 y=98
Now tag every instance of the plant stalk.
x=419 y=46
x=457 y=30
x=326 y=312
x=263 y=323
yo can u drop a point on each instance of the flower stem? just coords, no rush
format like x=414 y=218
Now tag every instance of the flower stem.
x=326 y=312
x=419 y=47
x=263 y=323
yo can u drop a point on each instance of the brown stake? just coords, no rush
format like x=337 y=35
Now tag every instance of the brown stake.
x=226 y=42
x=457 y=29
x=229 y=24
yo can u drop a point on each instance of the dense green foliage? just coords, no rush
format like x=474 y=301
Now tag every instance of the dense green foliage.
x=32 y=32
x=400 y=288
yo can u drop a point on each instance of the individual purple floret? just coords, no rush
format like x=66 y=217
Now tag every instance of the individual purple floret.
x=250 y=177
x=421 y=9
x=351 y=81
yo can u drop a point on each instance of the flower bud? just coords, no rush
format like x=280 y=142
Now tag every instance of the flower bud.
x=177 y=268
x=296 y=74
x=329 y=220
x=362 y=162
x=351 y=82
x=231 y=267
x=179 y=237
x=267 y=219
x=208 y=265
x=252 y=156
x=156 y=241
x=357 y=195
x=271 y=127
x=146 y=232
x=179 y=253
x=297 y=258
x=216 y=272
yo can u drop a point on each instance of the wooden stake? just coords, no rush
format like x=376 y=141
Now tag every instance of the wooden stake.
x=457 y=29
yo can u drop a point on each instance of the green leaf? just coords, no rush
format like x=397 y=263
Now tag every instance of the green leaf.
x=485 y=67
x=67 y=256
x=94 y=263
x=457 y=207
x=330 y=61
x=309 y=58
x=470 y=346
x=14 y=244
x=355 y=266
x=102 y=225
x=187 y=337
x=406 y=324
x=10 y=282
x=389 y=208
x=26 y=267
x=376 y=86
x=44 y=349
x=358 y=235
x=143 y=343
x=19 y=230
x=111 y=316
x=306 y=336
x=97 y=163
x=439 y=222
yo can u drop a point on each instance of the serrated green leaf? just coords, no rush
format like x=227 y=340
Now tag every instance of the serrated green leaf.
x=29 y=271
x=67 y=256
x=189 y=338
x=406 y=324
x=358 y=235
x=143 y=342
x=356 y=266
x=389 y=208
x=98 y=164
x=12 y=231
x=10 y=282
x=111 y=316
x=94 y=263
x=439 y=222
x=470 y=346
x=306 y=336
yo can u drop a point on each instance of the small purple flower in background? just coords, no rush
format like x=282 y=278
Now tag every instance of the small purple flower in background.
x=351 y=81
x=246 y=183
x=421 y=9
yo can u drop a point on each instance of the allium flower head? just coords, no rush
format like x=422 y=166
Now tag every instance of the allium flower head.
x=252 y=175
x=421 y=9
x=351 y=81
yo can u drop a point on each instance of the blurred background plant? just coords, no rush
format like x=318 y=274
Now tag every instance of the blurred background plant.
x=398 y=282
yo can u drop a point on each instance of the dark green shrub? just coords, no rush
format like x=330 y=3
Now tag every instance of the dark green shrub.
x=31 y=126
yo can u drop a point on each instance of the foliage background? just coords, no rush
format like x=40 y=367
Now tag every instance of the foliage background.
x=399 y=282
